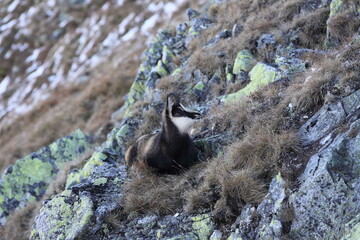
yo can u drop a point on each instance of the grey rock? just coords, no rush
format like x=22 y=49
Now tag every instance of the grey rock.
x=322 y=123
x=221 y=35
x=266 y=47
x=237 y=28
x=328 y=197
x=191 y=13
x=270 y=226
x=351 y=103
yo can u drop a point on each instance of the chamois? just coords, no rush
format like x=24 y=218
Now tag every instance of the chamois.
x=171 y=150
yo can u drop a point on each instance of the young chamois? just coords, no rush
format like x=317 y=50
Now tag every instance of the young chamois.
x=171 y=150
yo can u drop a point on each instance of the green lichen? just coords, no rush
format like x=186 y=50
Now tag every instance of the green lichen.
x=121 y=135
x=261 y=75
x=193 y=32
x=290 y=66
x=203 y=226
x=199 y=86
x=97 y=159
x=244 y=61
x=235 y=235
x=100 y=181
x=167 y=55
x=61 y=220
x=229 y=77
x=66 y=149
x=336 y=6
x=161 y=69
x=28 y=178
x=176 y=72
x=352 y=230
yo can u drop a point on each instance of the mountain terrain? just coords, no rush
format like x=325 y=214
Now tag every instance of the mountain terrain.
x=277 y=83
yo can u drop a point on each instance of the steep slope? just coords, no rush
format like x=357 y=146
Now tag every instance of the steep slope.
x=279 y=146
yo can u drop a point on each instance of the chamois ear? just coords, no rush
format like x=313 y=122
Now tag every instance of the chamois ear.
x=171 y=100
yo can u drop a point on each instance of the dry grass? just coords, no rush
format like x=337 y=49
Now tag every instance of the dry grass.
x=85 y=106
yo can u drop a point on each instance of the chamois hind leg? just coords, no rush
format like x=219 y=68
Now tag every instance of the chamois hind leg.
x=131 y=155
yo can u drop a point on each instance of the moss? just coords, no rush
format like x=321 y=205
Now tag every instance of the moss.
x=244 y=61
x=261 y=75
x=203 y=226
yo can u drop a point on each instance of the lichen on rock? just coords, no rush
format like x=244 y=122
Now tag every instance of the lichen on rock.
x=28 y=179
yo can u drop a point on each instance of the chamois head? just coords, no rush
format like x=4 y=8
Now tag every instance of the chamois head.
x=182 y=117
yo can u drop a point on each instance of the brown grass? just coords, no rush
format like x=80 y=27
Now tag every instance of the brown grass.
x=88 y=107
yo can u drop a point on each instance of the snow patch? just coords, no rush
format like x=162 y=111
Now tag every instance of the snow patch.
x=130 y=34
x=4 y=84
x=149 y=24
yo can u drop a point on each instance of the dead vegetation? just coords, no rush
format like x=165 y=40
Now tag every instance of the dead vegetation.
x=260 y=129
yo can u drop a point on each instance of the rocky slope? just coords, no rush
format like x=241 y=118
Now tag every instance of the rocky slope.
x=279 y=144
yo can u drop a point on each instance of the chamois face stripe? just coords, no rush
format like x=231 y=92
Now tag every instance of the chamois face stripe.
x=181 y=111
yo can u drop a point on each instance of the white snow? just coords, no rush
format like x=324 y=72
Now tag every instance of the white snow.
x=120 y=2
x=130 y=34
x=13 y=6
x=149 y=24
x=155 y=7
x=35 y=54
x=125 y=22
x=4 y=84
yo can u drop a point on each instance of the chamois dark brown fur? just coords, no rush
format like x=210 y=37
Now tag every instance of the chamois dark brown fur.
x=171 y=150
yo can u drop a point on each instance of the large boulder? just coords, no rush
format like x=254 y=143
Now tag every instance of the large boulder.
x=27 y=180
x=261 y=75
x=328 y=197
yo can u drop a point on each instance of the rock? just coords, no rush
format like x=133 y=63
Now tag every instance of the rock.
x=290 y=66
x=352 y=229
x=244 y=61
x=262 y=74
x=200 y=77
x=201 y=90
x=216 y=235
x=161 y=69
x=192 y=14
x=336 y=8
x=266 y=47
x=330 y=116
x=236 y=30
x=210 y=146
x=27 y=180
x=321 y=123
x=222 y=35
x=179 y=226
x=80 y=210
x=328 y=196
x=196 y=26
x=52 y=224
x=245 y=225
x=270 y=226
